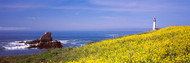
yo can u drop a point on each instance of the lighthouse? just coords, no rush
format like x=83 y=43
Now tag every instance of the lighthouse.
x=154 y=24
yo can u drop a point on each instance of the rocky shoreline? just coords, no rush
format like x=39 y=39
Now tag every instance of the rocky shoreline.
x=45 y=42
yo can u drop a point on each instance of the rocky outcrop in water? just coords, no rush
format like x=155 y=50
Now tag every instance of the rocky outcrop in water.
x=44 y=42
x=46 y=37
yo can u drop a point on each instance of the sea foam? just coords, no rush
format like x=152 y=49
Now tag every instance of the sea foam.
x=16 y=45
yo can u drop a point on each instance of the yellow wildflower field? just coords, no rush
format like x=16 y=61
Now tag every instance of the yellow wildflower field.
x=170 y=44
x=167 y=45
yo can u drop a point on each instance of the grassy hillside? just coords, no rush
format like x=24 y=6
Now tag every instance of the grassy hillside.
x=170 y=44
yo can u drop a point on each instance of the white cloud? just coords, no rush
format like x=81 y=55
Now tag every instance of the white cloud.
x=106 y=9
x=22 y=6
x=13 y=28
x=114 y=18
x=108 y=5
x=34 y=18
x=140 y=6
x=114 y=3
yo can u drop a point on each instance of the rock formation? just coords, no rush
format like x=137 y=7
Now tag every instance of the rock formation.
x=46 y=37
x=44 y=42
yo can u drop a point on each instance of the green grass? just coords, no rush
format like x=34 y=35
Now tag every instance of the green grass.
x=170 y=44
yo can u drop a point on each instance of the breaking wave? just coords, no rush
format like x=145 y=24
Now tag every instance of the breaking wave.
x=16 y=45
x=20 y=45
x=73 y=43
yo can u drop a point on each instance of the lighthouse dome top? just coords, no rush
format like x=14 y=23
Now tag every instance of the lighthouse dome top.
x=154 y=19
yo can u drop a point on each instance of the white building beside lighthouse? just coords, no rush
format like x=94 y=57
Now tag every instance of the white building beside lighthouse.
x=154 y=24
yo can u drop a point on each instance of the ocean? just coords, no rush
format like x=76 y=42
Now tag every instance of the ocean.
x=9 y=45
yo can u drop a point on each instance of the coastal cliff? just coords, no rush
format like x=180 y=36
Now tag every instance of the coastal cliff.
x=170 y=44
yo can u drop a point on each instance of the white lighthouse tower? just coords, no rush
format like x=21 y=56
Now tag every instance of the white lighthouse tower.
x=154 y=24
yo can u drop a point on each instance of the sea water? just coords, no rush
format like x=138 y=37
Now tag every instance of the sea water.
x=9 y=45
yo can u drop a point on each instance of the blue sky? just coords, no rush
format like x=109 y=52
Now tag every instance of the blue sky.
x=91 y=14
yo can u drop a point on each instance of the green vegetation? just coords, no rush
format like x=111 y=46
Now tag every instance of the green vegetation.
x=170 y=44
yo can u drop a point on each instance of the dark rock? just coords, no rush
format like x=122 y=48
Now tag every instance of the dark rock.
x=21 y=42
x=46 y=37
x=33 y=42
x=44 y=42
x=51 y=44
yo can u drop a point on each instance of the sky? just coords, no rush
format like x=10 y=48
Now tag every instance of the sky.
x=66 y=15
